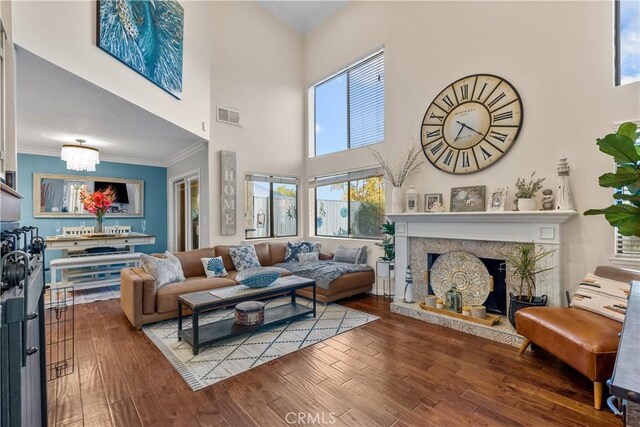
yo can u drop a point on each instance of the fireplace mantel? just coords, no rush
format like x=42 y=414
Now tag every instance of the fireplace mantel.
x=542 y=227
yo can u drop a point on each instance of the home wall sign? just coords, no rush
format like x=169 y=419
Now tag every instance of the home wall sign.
x=471 y=124
x=228 y=186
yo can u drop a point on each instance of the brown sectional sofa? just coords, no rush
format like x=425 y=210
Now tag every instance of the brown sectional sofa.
x=143 y=302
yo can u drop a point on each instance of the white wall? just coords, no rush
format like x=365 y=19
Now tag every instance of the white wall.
x=64 y=33
x=256 y=68
x=559 y=56
x=11 y=154
x=197 y=162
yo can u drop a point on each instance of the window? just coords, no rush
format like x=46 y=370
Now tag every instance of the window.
x=347 y=110
x=627 y=247
x=271 y=206
x=627 y=41
x=349 y=205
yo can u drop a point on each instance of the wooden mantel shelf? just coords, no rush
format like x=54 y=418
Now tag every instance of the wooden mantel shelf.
x=554 y=216
x=6 y=189
x=9 y=204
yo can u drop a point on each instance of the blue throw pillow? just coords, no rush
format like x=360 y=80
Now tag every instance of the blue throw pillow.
x=214 y=267
x=244 y=257
x=293 y=249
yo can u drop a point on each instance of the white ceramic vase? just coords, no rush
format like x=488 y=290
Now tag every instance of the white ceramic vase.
x=526 y=204
x=396 y=200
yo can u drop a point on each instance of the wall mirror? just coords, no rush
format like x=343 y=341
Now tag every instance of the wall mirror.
x=58 y=195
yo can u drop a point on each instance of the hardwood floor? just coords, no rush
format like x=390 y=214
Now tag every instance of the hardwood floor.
x=395 y=371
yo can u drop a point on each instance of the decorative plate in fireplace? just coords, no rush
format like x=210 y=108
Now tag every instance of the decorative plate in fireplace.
x=466 y=272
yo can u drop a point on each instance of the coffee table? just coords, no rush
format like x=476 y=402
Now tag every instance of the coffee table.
x=199 y=335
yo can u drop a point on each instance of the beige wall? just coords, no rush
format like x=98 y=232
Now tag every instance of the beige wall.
x=64 y=33
x=256 y=68
x=559 y=56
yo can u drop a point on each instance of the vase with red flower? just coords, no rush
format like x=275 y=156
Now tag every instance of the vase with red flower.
x=97 y=203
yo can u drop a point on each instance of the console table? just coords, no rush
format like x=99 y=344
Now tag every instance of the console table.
x=83 y=242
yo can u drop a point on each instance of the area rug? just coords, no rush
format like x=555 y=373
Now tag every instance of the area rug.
x=225 y=359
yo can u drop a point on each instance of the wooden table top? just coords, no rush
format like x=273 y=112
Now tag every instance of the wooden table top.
x=243 y=293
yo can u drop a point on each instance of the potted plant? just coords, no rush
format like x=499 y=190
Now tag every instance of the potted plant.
x=624 y=213
x=527 y=192
x=398 y=173
x=523 y=263
x=384 y=265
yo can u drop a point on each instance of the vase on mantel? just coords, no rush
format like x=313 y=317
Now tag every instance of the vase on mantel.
x=526 y=204
x=396 y=200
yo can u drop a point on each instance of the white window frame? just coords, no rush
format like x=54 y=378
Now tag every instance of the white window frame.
x=273 y=179
x=311 y=116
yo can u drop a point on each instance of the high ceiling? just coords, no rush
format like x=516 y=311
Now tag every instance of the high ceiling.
x=55 y=107
x=302 y=15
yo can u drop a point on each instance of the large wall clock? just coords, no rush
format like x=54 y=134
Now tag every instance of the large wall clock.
x=471 y=124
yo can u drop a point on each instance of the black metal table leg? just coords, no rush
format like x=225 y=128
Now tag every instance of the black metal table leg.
x=314 y=299
x=196 y=335
x=179 y=320
x=293 y=297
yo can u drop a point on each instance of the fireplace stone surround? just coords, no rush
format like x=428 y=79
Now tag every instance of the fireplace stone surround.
x=486 y=235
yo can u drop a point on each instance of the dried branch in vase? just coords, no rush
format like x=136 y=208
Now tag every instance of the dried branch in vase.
x=398 y=172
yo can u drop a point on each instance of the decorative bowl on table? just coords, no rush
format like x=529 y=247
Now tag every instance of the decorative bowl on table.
x=257 y=277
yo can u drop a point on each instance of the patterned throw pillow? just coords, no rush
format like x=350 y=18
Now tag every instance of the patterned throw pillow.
x=351 y=255
x=293 y=249
x=309 y=257
x=214 y=267
x=602 y=296
x=165 y=270
x=244 y=257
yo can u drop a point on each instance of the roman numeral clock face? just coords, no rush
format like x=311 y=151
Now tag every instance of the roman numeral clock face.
x=471 y=124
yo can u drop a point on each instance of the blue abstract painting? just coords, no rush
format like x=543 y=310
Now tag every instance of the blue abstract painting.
x=146 y=35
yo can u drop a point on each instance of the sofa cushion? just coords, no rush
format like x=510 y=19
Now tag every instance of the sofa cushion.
x=309 y=257
x=164 y=270
x=167 y=296
x=357 y=255
x=262 y=251
x=277 y=251
x=223 y=251
x=244 y=256
x=214 y=267
x=190 y=260
x=586 y=341
x=293 y=249
x=602 y=296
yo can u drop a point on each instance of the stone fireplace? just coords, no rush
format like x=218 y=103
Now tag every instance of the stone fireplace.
x=490 y=236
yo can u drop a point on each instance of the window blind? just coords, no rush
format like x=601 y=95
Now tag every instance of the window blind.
x=627 y=246
x=344 y=177
x=365 y=105
x=271 y=178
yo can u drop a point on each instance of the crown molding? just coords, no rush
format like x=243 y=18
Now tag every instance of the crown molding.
x=53 y=152
x=187 y=152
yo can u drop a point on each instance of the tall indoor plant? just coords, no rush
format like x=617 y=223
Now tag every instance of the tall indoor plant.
x=398 y=172
x=524 y=265
x=624 y=213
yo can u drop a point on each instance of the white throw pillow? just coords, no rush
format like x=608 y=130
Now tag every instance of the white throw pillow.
x=309 y=257
x=165 y=270
x=602 y=296
x=214 y=267
x=244 y=256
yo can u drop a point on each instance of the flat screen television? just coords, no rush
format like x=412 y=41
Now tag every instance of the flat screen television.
x=122 y=196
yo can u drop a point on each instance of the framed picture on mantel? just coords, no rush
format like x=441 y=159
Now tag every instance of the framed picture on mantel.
x=468 y=199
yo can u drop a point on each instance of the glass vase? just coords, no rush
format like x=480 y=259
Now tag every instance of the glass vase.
x=99 y=224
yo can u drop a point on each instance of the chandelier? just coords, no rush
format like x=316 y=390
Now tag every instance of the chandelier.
x=80 y=157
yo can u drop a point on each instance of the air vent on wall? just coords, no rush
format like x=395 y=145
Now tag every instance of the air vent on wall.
x=228 y=116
